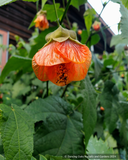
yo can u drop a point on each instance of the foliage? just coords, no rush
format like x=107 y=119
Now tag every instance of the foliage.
x=61 y=127
x=76 y=3
x=88 y=108
x=40 y=122
x=3 y=2
x=95 y=145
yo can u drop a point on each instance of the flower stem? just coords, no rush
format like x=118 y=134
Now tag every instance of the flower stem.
x=67 y=6
x=98 y=17
x=65 y=89
x=56 y=13
x=103 y=9
x=66 y=15
x=37 y=5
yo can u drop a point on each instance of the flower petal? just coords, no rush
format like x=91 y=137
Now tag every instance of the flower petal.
x=48 y=57
x=41 y=22
x=63 y=74
x=77 y=53
x=40 y=71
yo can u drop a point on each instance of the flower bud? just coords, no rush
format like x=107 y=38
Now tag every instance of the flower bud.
x=96 y=25
x=41 y=21
x=79 y=32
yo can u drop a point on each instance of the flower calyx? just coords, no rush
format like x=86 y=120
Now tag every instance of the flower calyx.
x=60 y=35
x=42 y=12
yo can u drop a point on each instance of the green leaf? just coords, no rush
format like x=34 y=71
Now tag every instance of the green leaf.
x=91 y=11
x=84 y=36
x=108 y=62
x=8 y=100
x=88 y=17
x=112 y=143
x=116 y=1
x=43 y=3
x=39 y=83
x=2 y=158
x=51 y=15
x=1 y=145
x=53 y=88
x=4 y=2
x=32 y=23
x=89 y=108
x=118 y=80
x=60 y=133
x=16 y=63
x=17 y=130
x=124 y=133
x=118 y=39
x=40 y=41
x=6 y=87
x=31 y=97
x=123 y=110
x=125 y=3
x=100 y=147
x=98 y=65
x=95 y=39
x=77 y=3
x=125 y=94
x=42 y=157
x=88 y=22
x=120 y=48
x=55 y=157
x=109 y=100
x=32 y=158
x=19 y=88
x=99 y=130
x=124 y=22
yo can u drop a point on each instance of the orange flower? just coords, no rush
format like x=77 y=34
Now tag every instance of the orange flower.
x=79 y=32
x=102 y=108
x=96 y=25
x=63 y=59
x=122 y=75
x=41 y=21
x=1 y=96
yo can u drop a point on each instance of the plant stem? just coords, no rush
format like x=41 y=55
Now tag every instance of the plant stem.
x=93 y=32
x=89 y=37
x=67 y=6
x=37 y=5
x=63 y=4
x=68 y=22
x=66 y=15
x=103 y=9
x=56 y=13
x=65 y=89
x=98 y=17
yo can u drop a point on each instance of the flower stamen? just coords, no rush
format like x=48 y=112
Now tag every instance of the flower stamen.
x=62 y=76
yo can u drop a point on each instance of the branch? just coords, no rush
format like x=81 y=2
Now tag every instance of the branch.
x=56 y=13
x=67 y=6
